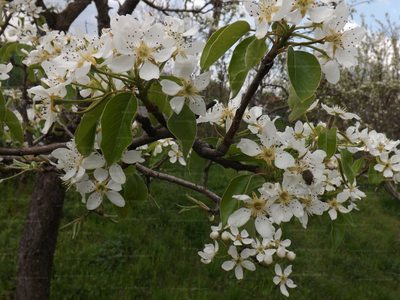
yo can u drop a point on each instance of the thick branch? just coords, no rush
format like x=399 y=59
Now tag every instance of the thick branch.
x=266 y=65
x=32 y=151
x=205 y=150
x=127 y=7
x=146 y=125
x=103 y=19
x=179 y=181
x=63 y=20
x=161 y=133
x=392 y=190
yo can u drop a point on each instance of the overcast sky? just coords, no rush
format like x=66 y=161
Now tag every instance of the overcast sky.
x=379 y=8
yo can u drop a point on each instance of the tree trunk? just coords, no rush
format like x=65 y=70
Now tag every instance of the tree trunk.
x=39 y=237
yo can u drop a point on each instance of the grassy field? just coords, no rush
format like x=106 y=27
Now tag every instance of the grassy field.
x=153 y=253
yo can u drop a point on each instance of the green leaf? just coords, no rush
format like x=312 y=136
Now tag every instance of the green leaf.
x=374 y=176
x=3 y=109
x=86 y=132
x=10 y=48
x=157 y=96
x=250 y=227
x=123 y=212
x=298 y=106
x=327 y=141
x=246 y=56
x=349 y=219
x=116 y=126
x=14 y=125
x=183 y=126
x=338 y=230
x=304 y=72
x=71 y=92
x=221 y=41
x=358 y=165
x=268 y=284
x=237 y=186
x=347 y=162
x=135 y=189
x=196 y=165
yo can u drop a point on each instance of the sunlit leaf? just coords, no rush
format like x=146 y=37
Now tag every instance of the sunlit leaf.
x=304 y=73
x=221 y=41
x=116 y=126
x=246 y=56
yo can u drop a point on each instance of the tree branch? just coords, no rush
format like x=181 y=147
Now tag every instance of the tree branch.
x=63 y=20
x=103 y=19
x=32 y=151
x=177 y=10
x=127 y=7
x=201 y=189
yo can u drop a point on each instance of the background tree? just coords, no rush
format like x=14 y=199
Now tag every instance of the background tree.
x=38 y=240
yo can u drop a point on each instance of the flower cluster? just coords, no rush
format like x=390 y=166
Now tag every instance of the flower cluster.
x=310 y=183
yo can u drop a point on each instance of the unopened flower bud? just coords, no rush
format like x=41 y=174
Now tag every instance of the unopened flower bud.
x=291 y=255
x=225 y=236
x=214 y=235
x=281 y=252
x=268 y=259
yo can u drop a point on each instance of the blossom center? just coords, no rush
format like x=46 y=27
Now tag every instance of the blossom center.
x=266 y=10
x=189 y=89
x=284 y=197
x=144 y=52
x=257 y=206
x=267 y=154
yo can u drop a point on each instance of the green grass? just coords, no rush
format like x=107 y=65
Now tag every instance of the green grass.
x=153 y=253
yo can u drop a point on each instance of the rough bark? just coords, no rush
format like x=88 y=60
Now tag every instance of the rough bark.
x=103 y=18
x=63 y=20
x=39 y=237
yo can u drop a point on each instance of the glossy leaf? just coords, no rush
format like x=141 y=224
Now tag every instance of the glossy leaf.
x=347 y=163
x=160 y=99
x=14 y=125
x=304 y=73
x=116 y=126
x=298 y=106
x=237 y=186
x=327 y=141
x=221 y=41
x=184 y=127
x=12 y=47
x=135 y=189
x=338 y=230
x=358 y=165
x=374 y=176
x=246 y=56
x=86 y=132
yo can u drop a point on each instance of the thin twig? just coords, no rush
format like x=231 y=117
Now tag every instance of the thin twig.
x=201 y=189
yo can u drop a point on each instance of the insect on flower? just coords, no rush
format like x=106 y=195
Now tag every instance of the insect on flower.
x=308 y=176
